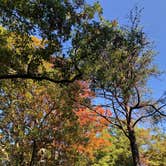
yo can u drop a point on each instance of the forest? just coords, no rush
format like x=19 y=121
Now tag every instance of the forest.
x=73 y=87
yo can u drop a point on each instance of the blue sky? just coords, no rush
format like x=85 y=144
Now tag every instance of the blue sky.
x=154 y=22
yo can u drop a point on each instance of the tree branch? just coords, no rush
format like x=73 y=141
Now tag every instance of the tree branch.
x=119 y=121
x=138 y=98
x=45 y=117
x=142 y=117
x=39 y=78
x=156 y=110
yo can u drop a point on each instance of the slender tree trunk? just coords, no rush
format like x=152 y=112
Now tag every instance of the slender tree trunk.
x=134 y=147
x=33 y=153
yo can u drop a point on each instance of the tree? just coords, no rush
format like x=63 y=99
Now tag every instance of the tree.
x=64 y=36
x=152 y=151
x=44 y=124
x=33 y=122
x=54 y=23
x=117 y=154
x=120 y=77
x=151 y=143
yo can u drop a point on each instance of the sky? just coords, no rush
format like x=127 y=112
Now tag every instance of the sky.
x=154 y=22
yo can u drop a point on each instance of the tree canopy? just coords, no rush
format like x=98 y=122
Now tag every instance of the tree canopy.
x=54 y=23
x=56 y=57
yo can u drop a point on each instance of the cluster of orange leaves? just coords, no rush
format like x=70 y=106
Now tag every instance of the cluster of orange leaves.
x=95 y=123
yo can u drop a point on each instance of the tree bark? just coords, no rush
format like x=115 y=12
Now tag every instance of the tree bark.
x=134 y=147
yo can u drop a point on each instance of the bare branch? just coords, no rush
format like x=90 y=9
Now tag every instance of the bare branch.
x=108 y=119
x=156 y=110
x=138 y=98
x=142 y=117
x=119 y=121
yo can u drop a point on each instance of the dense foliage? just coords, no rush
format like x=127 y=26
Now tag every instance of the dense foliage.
x=151 y=143
x=56 y=25
x=42 y=123
x=56 y=57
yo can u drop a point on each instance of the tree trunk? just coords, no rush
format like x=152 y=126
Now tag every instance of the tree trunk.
x=33 y=157
x=134 y=147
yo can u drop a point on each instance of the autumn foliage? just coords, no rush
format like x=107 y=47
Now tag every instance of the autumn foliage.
x=50 y=124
